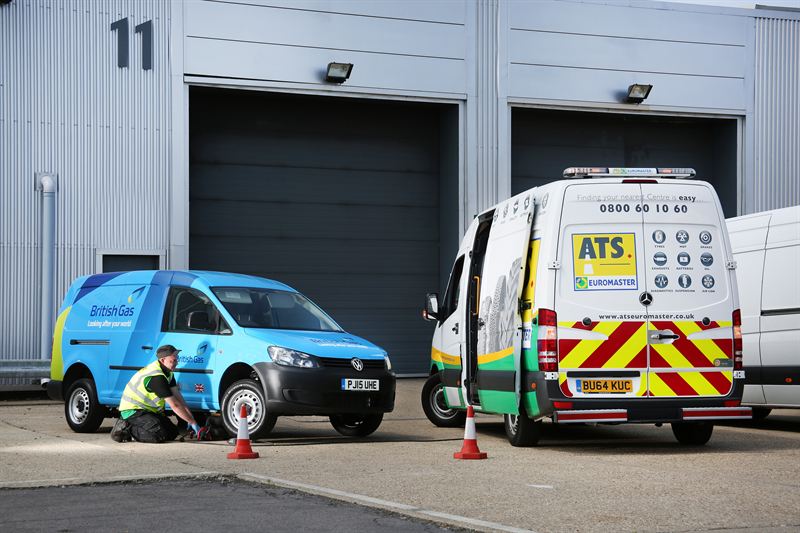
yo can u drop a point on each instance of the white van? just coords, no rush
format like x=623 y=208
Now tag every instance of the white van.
x=766 y=247
x=607 y=298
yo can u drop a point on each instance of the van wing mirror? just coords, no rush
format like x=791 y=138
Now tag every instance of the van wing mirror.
x=199 y=320
x=431 y=311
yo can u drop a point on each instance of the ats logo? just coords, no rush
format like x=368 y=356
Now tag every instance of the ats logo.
x=604 y=261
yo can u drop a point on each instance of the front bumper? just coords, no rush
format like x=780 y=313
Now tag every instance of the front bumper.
x=317 y=391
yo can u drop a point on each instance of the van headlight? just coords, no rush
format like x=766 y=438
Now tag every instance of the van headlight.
x=388 y=362
x=287 y=357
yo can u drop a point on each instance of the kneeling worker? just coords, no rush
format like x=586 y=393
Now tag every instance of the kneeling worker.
x=141 y=410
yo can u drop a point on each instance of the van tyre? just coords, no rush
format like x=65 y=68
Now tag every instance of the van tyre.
x=250 y=393
x=356 y=425
x=82 y=410
x=521 y=430
x=692 y=433
x=433 y=403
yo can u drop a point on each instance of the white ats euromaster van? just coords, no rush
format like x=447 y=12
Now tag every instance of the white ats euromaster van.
x=607 y=298
x=766 y=247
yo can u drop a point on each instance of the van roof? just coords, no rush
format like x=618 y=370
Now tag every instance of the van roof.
x=183 y=277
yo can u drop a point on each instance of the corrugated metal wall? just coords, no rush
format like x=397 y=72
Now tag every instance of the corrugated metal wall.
x=777 y=115
x=66 y=107
x=487 y=103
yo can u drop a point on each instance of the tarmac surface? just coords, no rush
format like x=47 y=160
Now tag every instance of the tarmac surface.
x=580 y=478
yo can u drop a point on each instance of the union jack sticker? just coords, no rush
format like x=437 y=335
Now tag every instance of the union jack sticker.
x=199 y=387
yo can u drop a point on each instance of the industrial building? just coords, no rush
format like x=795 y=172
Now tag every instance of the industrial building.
x=223 y=136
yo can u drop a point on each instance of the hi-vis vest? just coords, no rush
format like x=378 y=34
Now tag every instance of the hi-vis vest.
x=136 y=396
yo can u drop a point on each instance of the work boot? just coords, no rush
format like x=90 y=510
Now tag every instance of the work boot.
x=121 y=431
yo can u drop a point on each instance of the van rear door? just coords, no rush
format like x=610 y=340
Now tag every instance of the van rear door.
x=602 y=330
x=690 y=332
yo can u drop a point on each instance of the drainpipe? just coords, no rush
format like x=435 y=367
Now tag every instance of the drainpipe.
x=48 y=184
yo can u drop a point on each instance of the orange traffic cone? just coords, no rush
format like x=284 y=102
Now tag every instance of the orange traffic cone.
x=243 y=449
x=470 y=448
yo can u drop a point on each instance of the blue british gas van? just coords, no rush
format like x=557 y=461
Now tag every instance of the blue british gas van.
x=243 y=340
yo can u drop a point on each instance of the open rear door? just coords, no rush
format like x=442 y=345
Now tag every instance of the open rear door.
x=498 y=329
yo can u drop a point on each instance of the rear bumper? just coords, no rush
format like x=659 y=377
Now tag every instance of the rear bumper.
x=318 y=391
x=640 y=409
x=577 y=416
x=55 y=390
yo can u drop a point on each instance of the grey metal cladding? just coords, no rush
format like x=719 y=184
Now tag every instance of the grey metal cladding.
x=777 y=115
x=419 y=46
x=66 y=107
x=590 y=52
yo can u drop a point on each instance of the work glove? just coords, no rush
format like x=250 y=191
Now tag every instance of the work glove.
x=194 y=429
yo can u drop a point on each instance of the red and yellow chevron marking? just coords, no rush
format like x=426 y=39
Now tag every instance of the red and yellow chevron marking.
x=563 y=384
x=703 y=354
x=685 y=353
x=624 y=347
x=692 y=383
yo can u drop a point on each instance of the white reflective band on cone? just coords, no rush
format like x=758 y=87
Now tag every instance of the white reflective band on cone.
x=242 y=433
x=469 y=427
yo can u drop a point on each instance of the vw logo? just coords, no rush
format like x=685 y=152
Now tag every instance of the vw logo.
x=645 y=298
x=357 y=364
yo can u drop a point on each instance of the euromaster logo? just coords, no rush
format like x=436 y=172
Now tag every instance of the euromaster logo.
x=604 y=261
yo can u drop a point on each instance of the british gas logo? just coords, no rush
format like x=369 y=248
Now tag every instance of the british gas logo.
x=604 y=261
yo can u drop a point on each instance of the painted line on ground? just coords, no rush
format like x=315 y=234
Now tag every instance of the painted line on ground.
x=540 y=486
x=360 y=498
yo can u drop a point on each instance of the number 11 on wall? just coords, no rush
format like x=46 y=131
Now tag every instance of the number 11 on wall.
x=146 y=29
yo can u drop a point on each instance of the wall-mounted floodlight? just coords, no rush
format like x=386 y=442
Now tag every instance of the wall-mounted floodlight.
x=637 y=93
x=338 y=72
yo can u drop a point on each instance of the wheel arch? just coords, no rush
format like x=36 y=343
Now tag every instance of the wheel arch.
x=234 y=373
x=75 y=372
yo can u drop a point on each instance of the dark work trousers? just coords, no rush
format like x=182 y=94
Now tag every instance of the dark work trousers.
x=151 y=427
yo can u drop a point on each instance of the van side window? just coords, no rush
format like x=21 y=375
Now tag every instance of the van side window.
x=450 y=302
x=191 y=311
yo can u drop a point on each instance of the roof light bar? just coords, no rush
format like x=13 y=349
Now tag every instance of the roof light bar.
x=610 y=172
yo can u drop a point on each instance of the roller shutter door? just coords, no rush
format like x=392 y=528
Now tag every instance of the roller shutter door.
x=336 y=197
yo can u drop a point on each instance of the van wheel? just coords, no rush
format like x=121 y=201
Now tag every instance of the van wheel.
x=692 y=433
x=356 y=425
x=436 y=408
x=521 y=430
x=82 y=410
x=249 y=393
x=760 y=413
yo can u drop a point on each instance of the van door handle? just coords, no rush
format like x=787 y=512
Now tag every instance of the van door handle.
x=147 y=347
x=455 y=328
x=662 y=336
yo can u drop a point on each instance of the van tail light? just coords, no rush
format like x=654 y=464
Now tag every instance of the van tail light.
x=737 y=339
x=547 y=342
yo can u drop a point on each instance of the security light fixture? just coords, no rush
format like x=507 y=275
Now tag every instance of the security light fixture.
x=338 y=72
x=637 y=93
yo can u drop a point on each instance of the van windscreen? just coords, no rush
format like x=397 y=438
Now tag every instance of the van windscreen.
x=273 y=309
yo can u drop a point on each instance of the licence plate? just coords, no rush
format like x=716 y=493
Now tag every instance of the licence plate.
x=604 y=386
x=360 y=384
